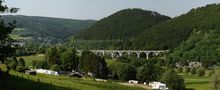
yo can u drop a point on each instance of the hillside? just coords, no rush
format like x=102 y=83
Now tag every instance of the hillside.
x=201 y=46
x=122 y=25
x=171 y=33
x=45 y=27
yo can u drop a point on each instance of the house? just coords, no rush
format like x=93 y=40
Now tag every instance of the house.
x=158 y=86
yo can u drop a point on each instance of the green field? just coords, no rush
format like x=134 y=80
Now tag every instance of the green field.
x=29 y=59
x=16 y=36
x=74 y=83
x=197 y=83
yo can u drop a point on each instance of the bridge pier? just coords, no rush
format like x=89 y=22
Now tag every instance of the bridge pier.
x=129 y=54
x=112 y=54
x=120 y=54
x=138 y=54
x=147 y=55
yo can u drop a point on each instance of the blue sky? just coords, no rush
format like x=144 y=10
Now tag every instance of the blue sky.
x=97 y=9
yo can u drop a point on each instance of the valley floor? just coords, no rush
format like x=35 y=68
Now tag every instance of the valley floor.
x=27 y=82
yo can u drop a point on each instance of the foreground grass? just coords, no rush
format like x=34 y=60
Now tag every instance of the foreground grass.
x=74 y=83
x=20 y=81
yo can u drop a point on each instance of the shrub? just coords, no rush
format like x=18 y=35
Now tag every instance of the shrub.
x=21 y=62
x=20 y=69
x=211 y=72
x=173 y=80
x=187 y=70
x=55 y=67
x=216 y=81
x=193 y=71
x=201 y=71
x=149 y=72
x=40 y=64
x=179 y=69
x=123 y=71
x=12 y=64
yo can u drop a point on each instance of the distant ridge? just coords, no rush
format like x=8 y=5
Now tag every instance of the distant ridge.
x=121 y=25
x=57 y=28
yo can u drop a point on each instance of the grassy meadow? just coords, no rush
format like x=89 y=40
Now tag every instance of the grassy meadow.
x=196 y=82
x=29 y=59
x=48 y=82
x=16 y=36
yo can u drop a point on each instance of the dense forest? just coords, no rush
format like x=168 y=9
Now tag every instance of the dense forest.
x=172 y=32
x=139 y=29
x=200 y=47
x=56 y=28
x=122 y=25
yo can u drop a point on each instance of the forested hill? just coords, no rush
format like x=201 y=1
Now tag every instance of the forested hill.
x=172 y=32
x=201 y=46
x=124 y=24
x=48 y=27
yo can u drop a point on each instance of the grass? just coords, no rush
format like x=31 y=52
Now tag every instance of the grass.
x=21 y=81
x=18 y=37
x=29 y=59
x=197 y=82
x=74 y=83
x=194 y=82
x=20 y=29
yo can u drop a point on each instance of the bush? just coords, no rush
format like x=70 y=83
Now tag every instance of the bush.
x=21 y=62
x=173 y=80
x=123 y=71
x=55 y=67
x=90 y=62
x=201 y=71
x=20 y=69
x=211 y=72
x=40 y=64
x=187 y=70
x=193 y=71
x=216 y=81
x=179 y=69
x=149 y=72
x=12 y=63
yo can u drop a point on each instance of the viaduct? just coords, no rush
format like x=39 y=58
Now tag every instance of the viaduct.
x=119 y=53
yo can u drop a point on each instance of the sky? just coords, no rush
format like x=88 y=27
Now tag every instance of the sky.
x=98 y=9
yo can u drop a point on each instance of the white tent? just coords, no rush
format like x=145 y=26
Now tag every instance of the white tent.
x=49 y=72
x=158 y=85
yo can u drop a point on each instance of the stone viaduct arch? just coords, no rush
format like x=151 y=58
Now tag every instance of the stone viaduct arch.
x=119 y=53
